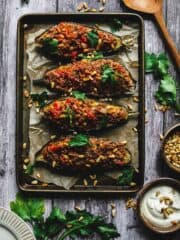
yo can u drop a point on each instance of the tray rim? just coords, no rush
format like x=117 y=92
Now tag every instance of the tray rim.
x=141 y=106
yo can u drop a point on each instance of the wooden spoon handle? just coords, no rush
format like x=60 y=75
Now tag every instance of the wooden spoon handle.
x=169 y=40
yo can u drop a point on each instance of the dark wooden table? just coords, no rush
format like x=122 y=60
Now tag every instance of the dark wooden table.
x=126 y=221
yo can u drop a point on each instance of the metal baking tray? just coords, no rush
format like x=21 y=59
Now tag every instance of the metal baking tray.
x=22 y=111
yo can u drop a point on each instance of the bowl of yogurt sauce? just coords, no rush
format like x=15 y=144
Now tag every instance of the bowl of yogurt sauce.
x=159 y=205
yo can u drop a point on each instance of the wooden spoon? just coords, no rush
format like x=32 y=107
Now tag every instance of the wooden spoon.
x=155 y=7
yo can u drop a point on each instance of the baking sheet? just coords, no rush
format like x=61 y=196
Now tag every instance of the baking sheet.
x=35 y=66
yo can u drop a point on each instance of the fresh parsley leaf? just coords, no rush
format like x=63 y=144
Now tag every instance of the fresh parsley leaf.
x=116 y=25
x=79 y=140
x=50 y=45
x=150 y=62
x=20 y=207
x=40 y=98
x=91 y=56
x=92 y=37
x=55 y=222
x=162 y=65
x=126 y=176
x=29 y=169
x=28 y=209
x=108 y=231
x=79 y=95
x=69 y=115
x=157 y=64
x=166 y=93
x=108 y=74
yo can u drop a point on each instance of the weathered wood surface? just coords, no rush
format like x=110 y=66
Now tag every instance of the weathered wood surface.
x=126 y=221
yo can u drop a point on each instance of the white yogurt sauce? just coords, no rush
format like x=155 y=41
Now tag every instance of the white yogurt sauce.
x=158 y=202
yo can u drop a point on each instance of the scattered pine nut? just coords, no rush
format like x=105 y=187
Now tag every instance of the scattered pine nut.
x=113 y=212
x=93 y=10
x=155 y=107
x=135 y=99
x=101 y=9
x=85 y=182
x=77 y=208
x=80 y=7
x=34 y=182
x=103 y=2
x=131 y=203
x=38 y=175
x=134 y=129
x=161 y=136
x=92 y=177
x=146 y=120
x=132 y=184
x=26 y=160
x=53 y=137
x=95 y=183
x=124 y=142
x=26 y=93
x=113 y=205
x=25 y=78
x=24 y=167
x=85 y=5
x=129 y=106
x=24 y=146
x=81 y=218
x=53 y=164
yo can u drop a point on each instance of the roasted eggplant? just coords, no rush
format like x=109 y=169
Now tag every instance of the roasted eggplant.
x=79 y=153
x=83 y=115
x=67 y=40
x=100 y=78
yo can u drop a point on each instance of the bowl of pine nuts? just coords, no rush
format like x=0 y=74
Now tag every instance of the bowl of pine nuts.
x=171 y=148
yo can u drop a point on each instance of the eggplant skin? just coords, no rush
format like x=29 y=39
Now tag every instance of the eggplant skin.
x=67 y=40
x=99 y=154
x=87 y=76
x=83 y=115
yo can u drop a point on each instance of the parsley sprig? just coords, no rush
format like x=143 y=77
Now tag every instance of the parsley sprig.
x=93 y=38
x=159 y=66
x=73 y=224
x=108 y=74
x=79 y=95
x=79 y=140
x=50 y=45
x=116 y=25
x=126 y=176
x=40 y=98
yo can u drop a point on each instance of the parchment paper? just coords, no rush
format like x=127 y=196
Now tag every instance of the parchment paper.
x=39 y=135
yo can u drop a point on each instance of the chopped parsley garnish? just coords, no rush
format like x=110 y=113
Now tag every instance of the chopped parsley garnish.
x=30 y=169
x=79 y=95
x=93 y=38
x=40 y=98
x=79 y=140
x=50 y=45
x=126 y=176
x=69 y=115
x=116 y=25
x=59 y=225
x=108 y=74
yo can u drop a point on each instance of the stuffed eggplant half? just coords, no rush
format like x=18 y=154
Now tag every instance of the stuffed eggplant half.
x=81 y=153
x=83 y=115
x=67 y=40
x=99 y=78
